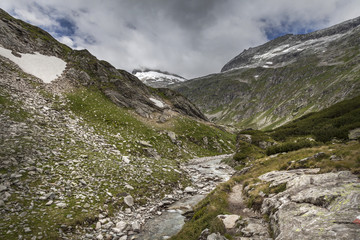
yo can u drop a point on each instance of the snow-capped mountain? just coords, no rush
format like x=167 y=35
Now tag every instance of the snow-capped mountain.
x=287 y=49
x=157 y=78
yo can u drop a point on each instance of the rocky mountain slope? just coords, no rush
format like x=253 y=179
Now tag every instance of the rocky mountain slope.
x=157 y=78
x=269 y=85
x=86 y=150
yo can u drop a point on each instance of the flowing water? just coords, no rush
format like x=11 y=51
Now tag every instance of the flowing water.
x=205 y=174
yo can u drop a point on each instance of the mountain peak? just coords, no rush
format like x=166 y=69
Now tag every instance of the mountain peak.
x=157 y=78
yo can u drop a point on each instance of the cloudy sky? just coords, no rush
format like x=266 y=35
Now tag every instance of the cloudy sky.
x=188 y=37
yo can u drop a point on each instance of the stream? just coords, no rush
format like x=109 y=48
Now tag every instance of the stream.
x=205 y=173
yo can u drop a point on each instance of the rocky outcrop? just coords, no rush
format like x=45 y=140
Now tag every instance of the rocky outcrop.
x=314 y=206
x=182 y=104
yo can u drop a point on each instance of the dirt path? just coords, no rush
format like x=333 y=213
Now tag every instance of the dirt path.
x=237 y=204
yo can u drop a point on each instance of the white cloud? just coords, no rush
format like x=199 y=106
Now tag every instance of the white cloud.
x=191 y=38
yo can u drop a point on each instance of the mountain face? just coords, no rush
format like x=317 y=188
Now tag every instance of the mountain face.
x=157 y=78
x=283 y=79
x=84 y=69
x=83 y=143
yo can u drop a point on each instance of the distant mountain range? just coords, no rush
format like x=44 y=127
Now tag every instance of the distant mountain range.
x=283 y=79
x=157 y=78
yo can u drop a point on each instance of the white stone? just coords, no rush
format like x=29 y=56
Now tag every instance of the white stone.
x=61 y=205
x=229 y=220
x=2 y=188
x=129 y=200
x=135 y=226
x=98 y=225
x=126 y=159
x=121 y=225
x=189 y=190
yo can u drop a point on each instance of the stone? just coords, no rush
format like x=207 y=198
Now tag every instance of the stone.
x=100 y=237
x=279 y=177
x=61 y=205
x=123 y=237
x=215 y=236
x=335 y=158
x=49 y=203
x=129 y=200
x=121 y=225
x=135 y=226
x=129 y=187
x=2 y=188
x=255 y=228
x=354 y=134
x=104 y=220
x=315 y=206
x=2 y=203
x=190 y=190
x=98 y=226
x=107 y=225
x=204 y=234
x=172 y=136
x=151 y=152
x=27 y=230
x=229 y=220
x=145 y=143
x=126 y=159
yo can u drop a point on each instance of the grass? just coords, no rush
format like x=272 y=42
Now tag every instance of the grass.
x=12 y=108
x=206 y=213
x=333 y=122
x=109 y=120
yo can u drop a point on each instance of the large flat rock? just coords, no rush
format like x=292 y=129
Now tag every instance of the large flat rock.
x=314 y=206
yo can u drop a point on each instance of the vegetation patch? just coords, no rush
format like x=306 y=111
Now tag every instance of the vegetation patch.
x=333 y=122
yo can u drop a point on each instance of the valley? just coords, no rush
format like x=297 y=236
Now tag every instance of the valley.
x=266 y=149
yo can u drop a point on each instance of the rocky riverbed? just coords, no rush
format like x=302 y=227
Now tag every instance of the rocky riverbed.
x=163 y=218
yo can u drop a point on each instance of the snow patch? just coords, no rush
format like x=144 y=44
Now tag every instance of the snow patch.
x=157 y=102
x=298 y=47
x=47 y=68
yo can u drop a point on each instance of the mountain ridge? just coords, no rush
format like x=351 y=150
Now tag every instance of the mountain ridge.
x=281 y=80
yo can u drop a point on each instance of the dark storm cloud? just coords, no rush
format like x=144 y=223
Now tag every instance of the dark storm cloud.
x=188 y=37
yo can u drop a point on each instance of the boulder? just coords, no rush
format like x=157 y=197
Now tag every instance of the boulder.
x=216 y=236
x=314 y=206
x=135 y=226
x=121 y=225
x=229 y=220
